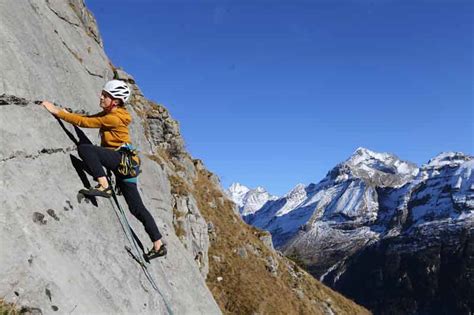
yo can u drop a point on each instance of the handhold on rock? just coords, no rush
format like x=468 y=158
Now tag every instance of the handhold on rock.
x=39 y=218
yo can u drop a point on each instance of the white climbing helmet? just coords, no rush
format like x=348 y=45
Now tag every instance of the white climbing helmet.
x=118 y=89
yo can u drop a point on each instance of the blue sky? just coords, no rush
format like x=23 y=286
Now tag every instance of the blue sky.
x=276 y=93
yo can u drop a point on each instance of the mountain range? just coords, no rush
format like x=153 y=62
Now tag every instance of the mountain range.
x=401 y=232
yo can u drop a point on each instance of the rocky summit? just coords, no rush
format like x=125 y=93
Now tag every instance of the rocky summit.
x=395 y=237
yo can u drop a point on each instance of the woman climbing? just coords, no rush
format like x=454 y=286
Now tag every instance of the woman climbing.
x=113 y=122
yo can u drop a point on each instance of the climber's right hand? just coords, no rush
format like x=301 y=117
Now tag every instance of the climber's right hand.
x=50 y=107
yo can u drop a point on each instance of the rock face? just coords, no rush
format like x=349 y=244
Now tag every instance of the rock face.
x=52 y=51
x=389 y=234
x=61 y=254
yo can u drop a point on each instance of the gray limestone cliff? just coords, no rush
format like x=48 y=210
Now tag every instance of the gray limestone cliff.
x=61 y=254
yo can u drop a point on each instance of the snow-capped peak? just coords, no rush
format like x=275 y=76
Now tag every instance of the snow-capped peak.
x=238 y=188
x=297 y=190
x=448 y=158
x=294 y=198
x=383 y=162
x=248 y=200
x=363 y=156
x=236 y=193
x=363 y=153
x=260 y=189
x=382 y=169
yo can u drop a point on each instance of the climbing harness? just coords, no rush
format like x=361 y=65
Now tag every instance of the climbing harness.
x=137 y=245
x=129 y=166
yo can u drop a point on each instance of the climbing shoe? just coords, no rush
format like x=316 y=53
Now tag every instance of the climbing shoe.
x=156 y=253
x=98 y=191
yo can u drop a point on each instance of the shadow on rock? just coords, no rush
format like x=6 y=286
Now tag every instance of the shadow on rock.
x=79 y=165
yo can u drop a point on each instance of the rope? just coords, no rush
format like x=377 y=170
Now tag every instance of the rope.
x=136 y=244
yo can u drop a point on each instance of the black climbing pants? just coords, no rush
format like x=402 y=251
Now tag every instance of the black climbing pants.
x=95 y=158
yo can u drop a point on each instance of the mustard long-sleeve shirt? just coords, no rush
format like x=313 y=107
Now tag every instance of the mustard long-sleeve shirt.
x=113 y=126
